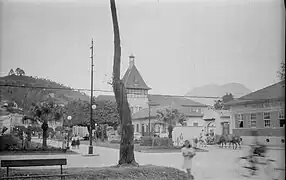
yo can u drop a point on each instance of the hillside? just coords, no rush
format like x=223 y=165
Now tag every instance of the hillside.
x=24 y=96
x=236 y=89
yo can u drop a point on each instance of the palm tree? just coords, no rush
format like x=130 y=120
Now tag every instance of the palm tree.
x=126 y=154
x=171 y=117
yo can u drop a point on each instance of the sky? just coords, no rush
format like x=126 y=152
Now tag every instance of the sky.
x=178 y=45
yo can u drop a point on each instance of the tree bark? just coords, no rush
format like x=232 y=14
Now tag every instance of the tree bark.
x=45 y=129
x=126 y=153
x=170 y=129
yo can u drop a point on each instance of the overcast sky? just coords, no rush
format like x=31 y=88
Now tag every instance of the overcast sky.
x=178 y=45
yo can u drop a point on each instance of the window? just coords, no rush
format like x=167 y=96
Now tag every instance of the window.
x=195 y=123
x=281 y=118
x=137 y=127
x=239 y=118
x=132 y=110
x=266 y=118
x=252 y=120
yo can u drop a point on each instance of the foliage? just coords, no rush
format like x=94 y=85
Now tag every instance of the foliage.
x=146 y=172
x=281 y=72
x=44 y=112
x=24 y=97
x=171 y=117
x=219 y=104
x=105 y=113
x=156 y=141
x=11 y=72
x=20 y=72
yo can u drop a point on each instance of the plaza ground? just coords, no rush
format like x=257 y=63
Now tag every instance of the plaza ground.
x=217 y=164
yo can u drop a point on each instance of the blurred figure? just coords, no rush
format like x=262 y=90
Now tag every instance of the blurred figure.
x=256 y=150
x=188 y=153
x=77 y=141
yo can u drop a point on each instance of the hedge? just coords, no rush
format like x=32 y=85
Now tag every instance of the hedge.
x=156 y=141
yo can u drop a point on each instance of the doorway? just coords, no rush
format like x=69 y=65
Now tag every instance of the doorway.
x=225 y=128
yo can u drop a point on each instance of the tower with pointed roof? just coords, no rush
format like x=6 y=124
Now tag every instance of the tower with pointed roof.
x=137 y=90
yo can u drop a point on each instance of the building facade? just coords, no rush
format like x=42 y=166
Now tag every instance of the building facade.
x=144 y=106
x=217 y=121
x=262 y=111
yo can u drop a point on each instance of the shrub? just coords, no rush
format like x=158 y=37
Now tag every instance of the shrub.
x=115 y=141
x=156 y=141
x=7 y=141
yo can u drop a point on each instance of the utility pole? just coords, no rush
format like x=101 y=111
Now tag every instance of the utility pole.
x=90 y=149
x=149 y=129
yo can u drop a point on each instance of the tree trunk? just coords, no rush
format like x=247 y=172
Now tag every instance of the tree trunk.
x=126 y=153
x=45 y=135
x=170 y=130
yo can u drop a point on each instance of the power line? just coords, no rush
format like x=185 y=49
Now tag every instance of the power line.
x=97 y=90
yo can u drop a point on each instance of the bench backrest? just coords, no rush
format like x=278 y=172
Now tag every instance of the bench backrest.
x=33 y=162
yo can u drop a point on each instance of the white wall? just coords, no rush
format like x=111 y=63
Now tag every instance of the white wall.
x=187 y=132
x=199 y=120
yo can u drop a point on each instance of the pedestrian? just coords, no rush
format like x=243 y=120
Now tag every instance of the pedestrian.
x=64 y=145
x=188 y=153
x=77 y=142
x=73 y=143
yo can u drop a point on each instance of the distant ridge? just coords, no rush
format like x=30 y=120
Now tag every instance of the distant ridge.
x=236 y=89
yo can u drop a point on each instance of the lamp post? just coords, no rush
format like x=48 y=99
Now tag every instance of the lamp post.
x=68 y=143
x=90 y=148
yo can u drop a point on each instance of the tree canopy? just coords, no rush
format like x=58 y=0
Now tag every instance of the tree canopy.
x=281 y=72
x=171 y=117
x=219 y=104
x=105 y=113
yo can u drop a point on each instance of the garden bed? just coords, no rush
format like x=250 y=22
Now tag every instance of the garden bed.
x=146 y=172
x=13 y=146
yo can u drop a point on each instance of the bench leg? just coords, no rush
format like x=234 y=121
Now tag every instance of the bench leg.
x=62 y=172
x=7 y=171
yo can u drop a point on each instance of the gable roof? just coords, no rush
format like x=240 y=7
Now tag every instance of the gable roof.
x=133 y=79
x=273 y=92
x=162 y=100
x=165 y=100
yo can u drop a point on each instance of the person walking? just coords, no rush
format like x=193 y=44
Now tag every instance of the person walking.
x=77 y=141
x=73 y=143
x=188 y=153
x=64 y=144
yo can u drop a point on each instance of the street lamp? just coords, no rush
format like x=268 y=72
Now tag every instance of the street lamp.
x=90 y=148
x=69 y=119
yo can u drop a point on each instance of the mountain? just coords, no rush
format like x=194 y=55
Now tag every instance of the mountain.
x=25 y=96
x=236 y=89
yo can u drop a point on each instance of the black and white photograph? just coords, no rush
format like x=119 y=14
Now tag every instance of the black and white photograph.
x=142 y=89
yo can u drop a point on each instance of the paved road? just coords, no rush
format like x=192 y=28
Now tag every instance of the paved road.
x=217 y=164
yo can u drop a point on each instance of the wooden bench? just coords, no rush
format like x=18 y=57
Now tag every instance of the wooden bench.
x=33 y=162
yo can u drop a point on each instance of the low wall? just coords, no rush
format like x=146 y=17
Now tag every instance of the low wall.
x=277 y=132
x=273 y=141
x=188 y=132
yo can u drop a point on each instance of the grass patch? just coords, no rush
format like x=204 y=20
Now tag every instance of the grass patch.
x=144 y=172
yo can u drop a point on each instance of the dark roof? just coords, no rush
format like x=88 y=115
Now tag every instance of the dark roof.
x=272 y=92
x=165 y=100
x=144 y=113
x=133 y=79
x=161 y=100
